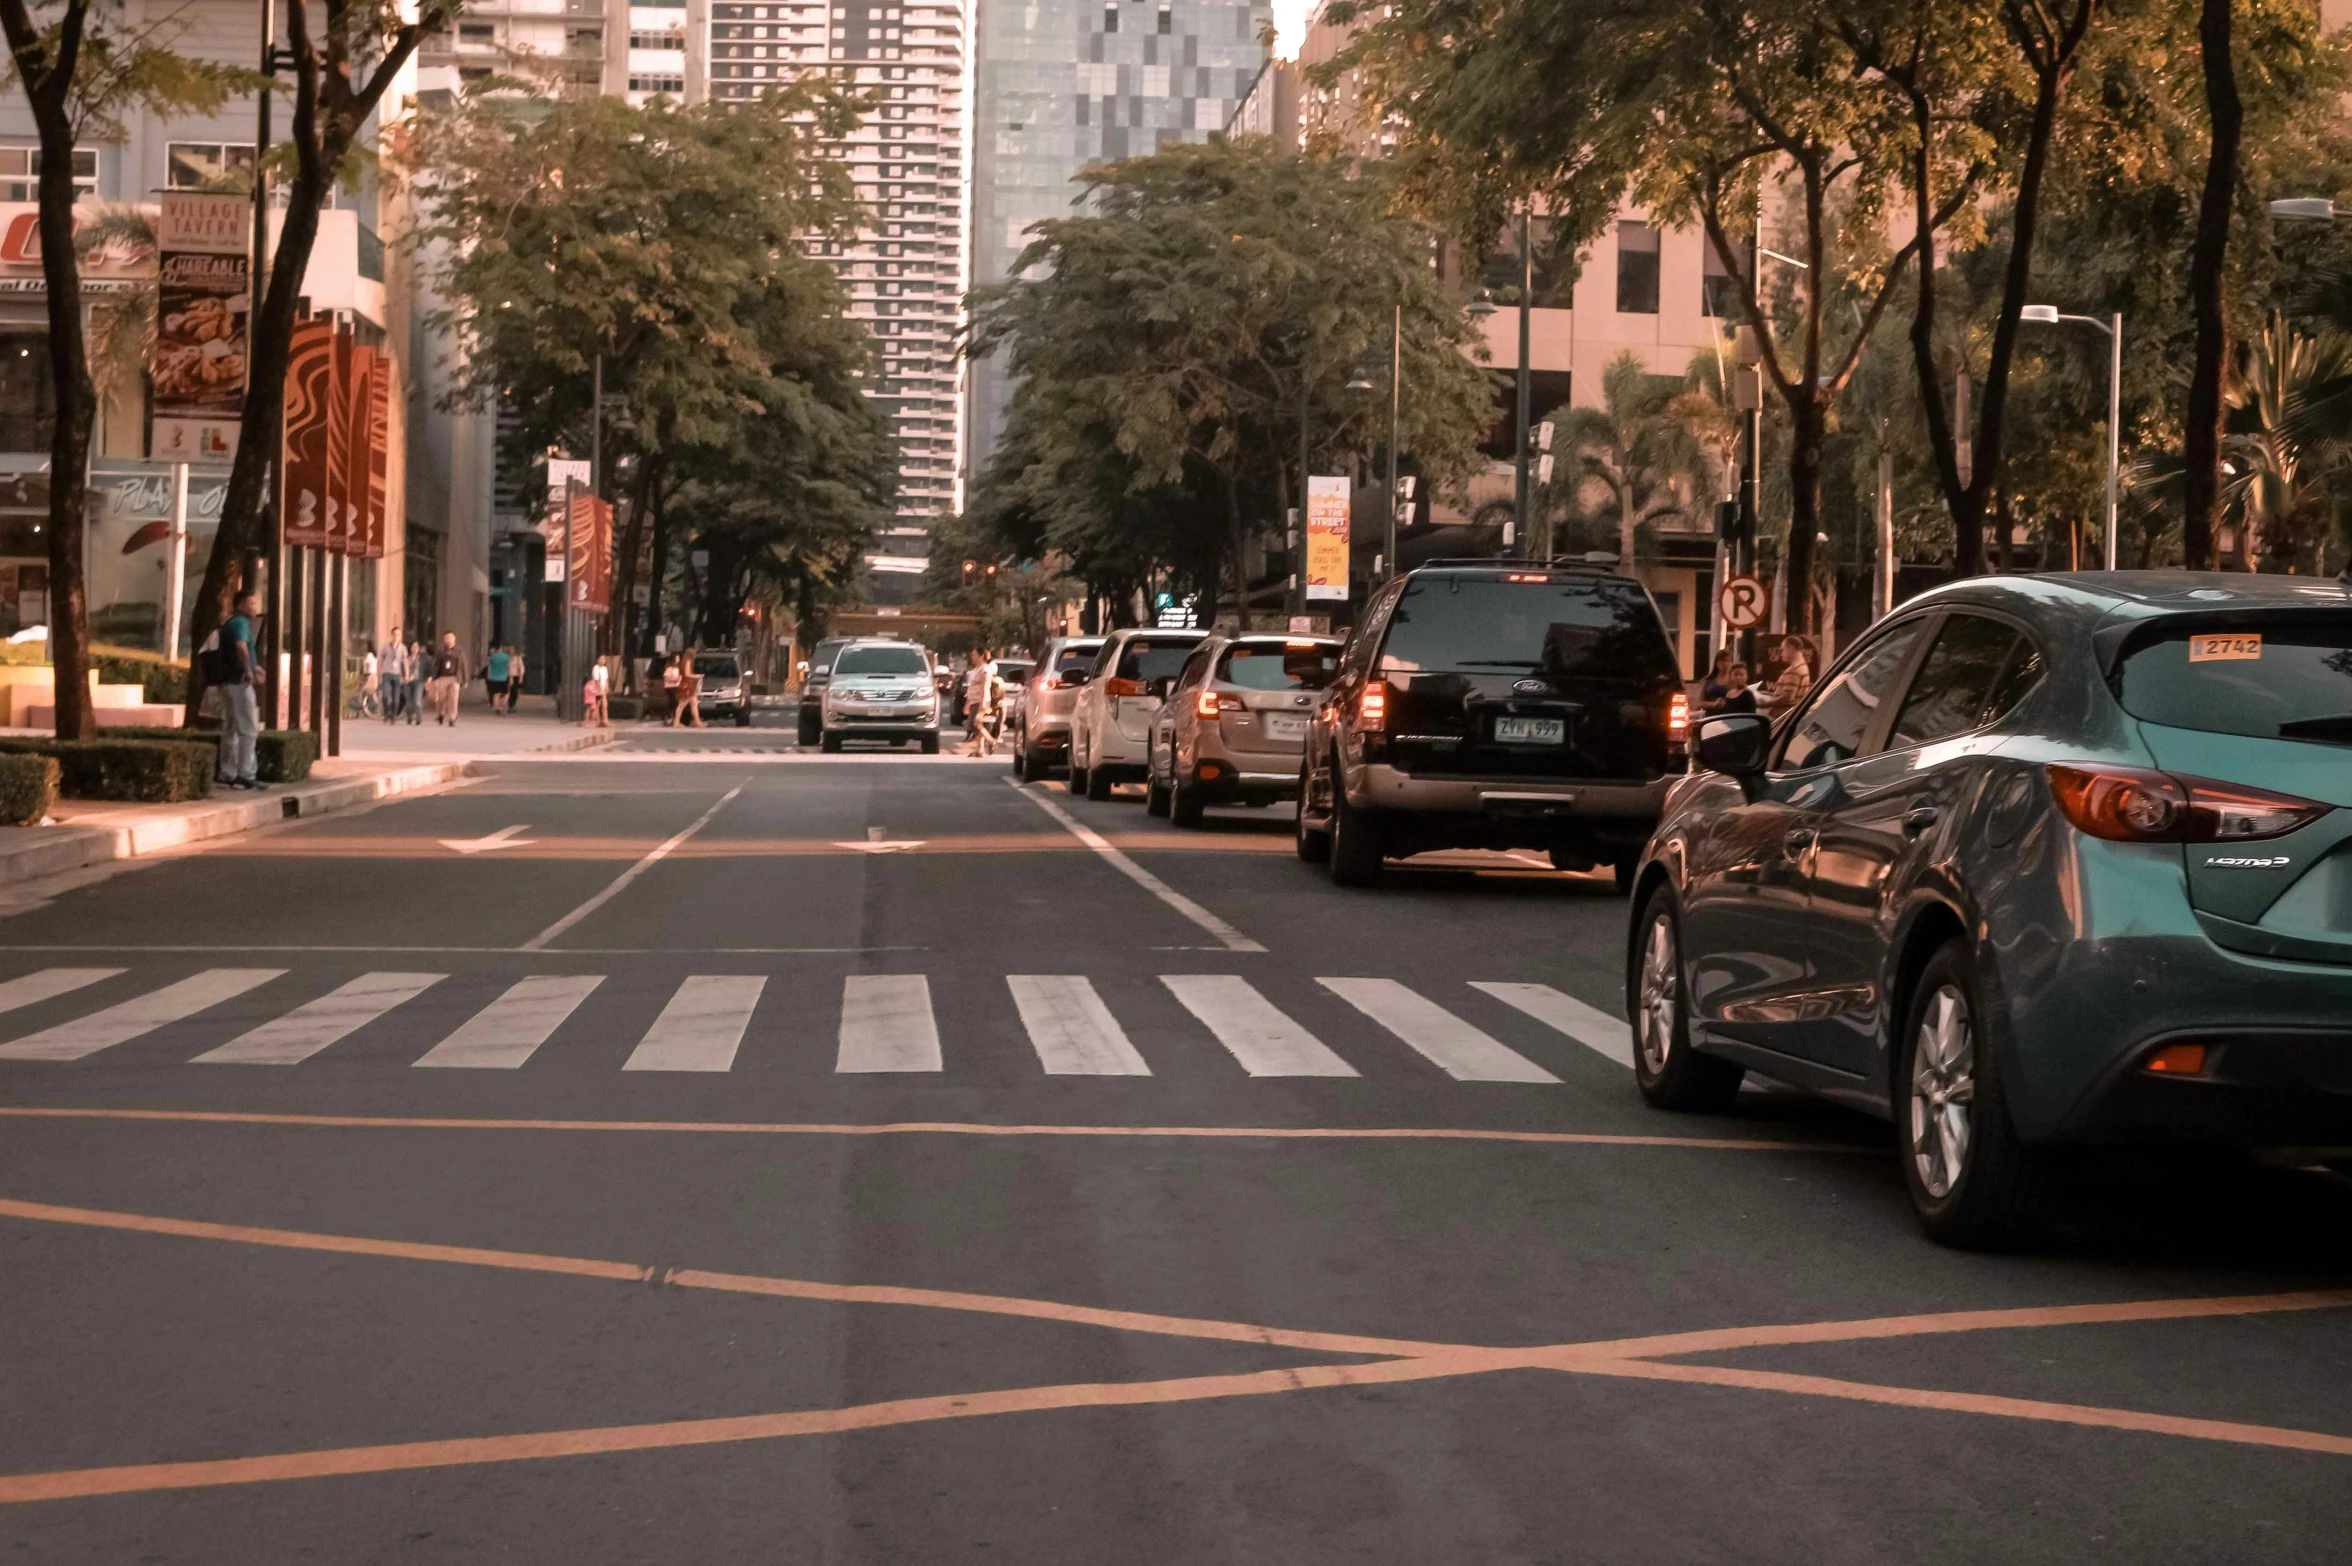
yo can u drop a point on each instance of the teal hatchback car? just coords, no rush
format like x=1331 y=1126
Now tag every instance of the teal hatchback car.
x=2041 y=861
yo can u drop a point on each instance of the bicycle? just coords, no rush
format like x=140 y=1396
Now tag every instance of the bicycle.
x=366 y=702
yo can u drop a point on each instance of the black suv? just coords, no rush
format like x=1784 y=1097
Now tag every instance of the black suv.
x=812 y=686
x=1495 y=704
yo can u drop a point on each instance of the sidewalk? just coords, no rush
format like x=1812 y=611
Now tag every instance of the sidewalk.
x=379 y=761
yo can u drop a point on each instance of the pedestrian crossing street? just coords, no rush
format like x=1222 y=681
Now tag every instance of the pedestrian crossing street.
x=888 y=1023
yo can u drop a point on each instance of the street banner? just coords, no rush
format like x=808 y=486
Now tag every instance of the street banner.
x=588 y=540
x=358 y=405
x=1327 y=539
x=339 y=448
x=203 y=286
x=302 y=497
x=562 y=474
x=379 y=458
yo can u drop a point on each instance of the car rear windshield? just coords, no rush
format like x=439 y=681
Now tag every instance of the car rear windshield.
x=2287 y=679
x=1155 y=660
x=822 y=655
x=721 y=665
x=1561 y=626
x=1078 y=656
x=1276 y=667
x=883 y=660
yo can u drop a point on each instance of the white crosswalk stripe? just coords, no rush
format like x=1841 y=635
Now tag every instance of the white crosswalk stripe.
x=504 y=1033
x=307 y=1029
x=1596 y=1030
x=701 y=1028
x=1455 y=1047
x=141 y=1014
x=48 y=984
x=886 y=1024
x=1263 y=1039
x=1071 y=1029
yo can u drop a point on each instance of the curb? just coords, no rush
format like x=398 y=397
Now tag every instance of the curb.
x=70 y=847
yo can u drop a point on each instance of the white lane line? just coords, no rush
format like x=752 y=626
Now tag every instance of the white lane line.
x=701 y=1028
x=311 y=1027
x=1596 y=1030
x=620 y=883
x=886 y=1024
x=141 y=1014
x=1263 y=1039
x=1072 y=1031
x=33 y=988
x=504 y=1033
x=1230 y=938
x=1445 y=1040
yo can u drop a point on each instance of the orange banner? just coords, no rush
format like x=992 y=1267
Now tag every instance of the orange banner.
x=302 y=492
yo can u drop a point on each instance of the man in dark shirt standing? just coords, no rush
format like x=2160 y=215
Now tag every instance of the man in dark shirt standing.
x=242 y=726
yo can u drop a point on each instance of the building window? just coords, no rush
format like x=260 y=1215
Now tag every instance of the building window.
x=665 y=40
x=1110 y=18
x=20 y=173
x=1637 y=269
x=1718 y=296
x=668 y=84
x=209 y=165
x=480 y=34
x=1167 y=21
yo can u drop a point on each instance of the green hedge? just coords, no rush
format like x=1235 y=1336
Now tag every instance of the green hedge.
x=147 y=771
x=28 y=787
x=624 y=709
x=279 y=755
x=161 y=679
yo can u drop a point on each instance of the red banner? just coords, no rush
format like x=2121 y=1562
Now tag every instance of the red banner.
x=379 y=451
x=588 y=552
x=302 y=491
x=358 y=410
x=339 y=449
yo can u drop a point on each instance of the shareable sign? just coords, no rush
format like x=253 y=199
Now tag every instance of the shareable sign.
x=1327 y=539
x=204 y=283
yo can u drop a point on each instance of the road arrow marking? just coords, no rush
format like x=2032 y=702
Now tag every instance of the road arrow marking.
x=502 y=838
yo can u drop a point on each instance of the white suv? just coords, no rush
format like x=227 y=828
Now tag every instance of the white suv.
x=881 y=690
x=1110 y=731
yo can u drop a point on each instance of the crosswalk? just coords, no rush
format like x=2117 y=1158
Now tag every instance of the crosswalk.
x=888 y=1023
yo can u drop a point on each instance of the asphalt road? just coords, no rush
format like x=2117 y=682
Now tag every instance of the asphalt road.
x=702 y=1151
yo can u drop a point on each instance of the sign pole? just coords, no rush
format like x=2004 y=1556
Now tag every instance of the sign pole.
x=175 y=564
x=337 y=564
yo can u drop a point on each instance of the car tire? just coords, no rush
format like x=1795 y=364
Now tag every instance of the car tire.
x=1098 y=784
x=1021 y=761
x=1670 y=1073
x=930 y=744
x=743 y=719
x=1355 y=840
x=1313 y=842
x=1155 y=797
x=831 y=744
x=1184 y=804
x=808 y=731
x=1077 y=775
x=1973 y=1183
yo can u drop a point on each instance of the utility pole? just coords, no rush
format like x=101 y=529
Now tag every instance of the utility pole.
x=278 y=602
x=1520 y=494
x=1752 y=458
x=1396 y=403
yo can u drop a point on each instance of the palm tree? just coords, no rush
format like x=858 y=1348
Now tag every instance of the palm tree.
x=2286 y=419
x=1636 y=446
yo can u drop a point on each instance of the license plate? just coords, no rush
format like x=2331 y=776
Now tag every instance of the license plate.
x=1531 y=731
x=1285 y=726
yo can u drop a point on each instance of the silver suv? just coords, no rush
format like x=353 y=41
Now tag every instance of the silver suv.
x=1110 y=733
x=881 y=690
x=1040 y=727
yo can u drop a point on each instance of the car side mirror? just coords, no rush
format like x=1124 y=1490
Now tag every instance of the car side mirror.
x=1736 y=743
x=1162 y=686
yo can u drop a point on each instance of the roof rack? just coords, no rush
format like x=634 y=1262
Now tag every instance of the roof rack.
x=1527 y=563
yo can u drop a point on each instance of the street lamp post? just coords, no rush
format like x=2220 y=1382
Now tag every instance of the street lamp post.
x=1519 y=494
x=2049 y=315
x=1362 y=381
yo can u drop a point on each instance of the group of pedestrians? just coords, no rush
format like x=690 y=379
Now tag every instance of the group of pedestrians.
x=1727 y=687
x=983 y=703
x=414 y=677
x=681 y=693
x=503 y=677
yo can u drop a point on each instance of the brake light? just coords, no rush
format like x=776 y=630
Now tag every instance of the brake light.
x=2142 y=805
x=1049 y=682
x=1372 y=707
x=1208 y=704
x=1678 y=716
x=1122 y=687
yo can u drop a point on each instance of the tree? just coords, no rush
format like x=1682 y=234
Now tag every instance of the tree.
x=671 y=243
x=1171 y=340
x=340 y=77
x=80 y=74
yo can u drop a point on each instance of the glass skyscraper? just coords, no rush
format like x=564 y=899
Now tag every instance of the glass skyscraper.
x=1060 y=84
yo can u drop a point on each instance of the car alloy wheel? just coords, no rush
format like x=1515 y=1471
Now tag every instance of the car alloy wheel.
x=1669 y=1072
x=1943 y=1093
x=1660 y=991
x=1313 y=843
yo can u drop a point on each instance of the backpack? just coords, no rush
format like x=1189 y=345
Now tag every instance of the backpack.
x=218 y=663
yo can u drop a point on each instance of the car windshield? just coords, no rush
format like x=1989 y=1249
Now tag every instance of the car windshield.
x=1554 y=625
x=721 y=665
x=883 y=660
x=2283 y=679
x=822 y=656
x=1304 y=666
x=1155 y=660
x=1079 y=656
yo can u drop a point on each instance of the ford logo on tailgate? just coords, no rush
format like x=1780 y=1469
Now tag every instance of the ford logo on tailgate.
x=1529 y=687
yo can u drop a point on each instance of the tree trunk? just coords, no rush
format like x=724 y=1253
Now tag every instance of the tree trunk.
x=1238 y=534
x=1625 y=527
x=625 y=587
x=2200 y=522
x=657 y=575
x=1805 y=419
x=69 y=442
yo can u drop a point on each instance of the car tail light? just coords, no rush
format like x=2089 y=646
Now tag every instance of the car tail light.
x=2142 y=805
x=1372 y=707
x=1678 y=716
x=1208 y=704
x=1049 y=682
x=1122 y=687
x=2177 y=1060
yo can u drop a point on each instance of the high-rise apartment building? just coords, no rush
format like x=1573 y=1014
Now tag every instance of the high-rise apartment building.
x=1059 y=84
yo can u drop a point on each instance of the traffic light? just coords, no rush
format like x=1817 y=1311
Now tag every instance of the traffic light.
x=971 y=570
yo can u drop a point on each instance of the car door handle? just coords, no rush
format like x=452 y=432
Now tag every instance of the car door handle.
x=1920 y=820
